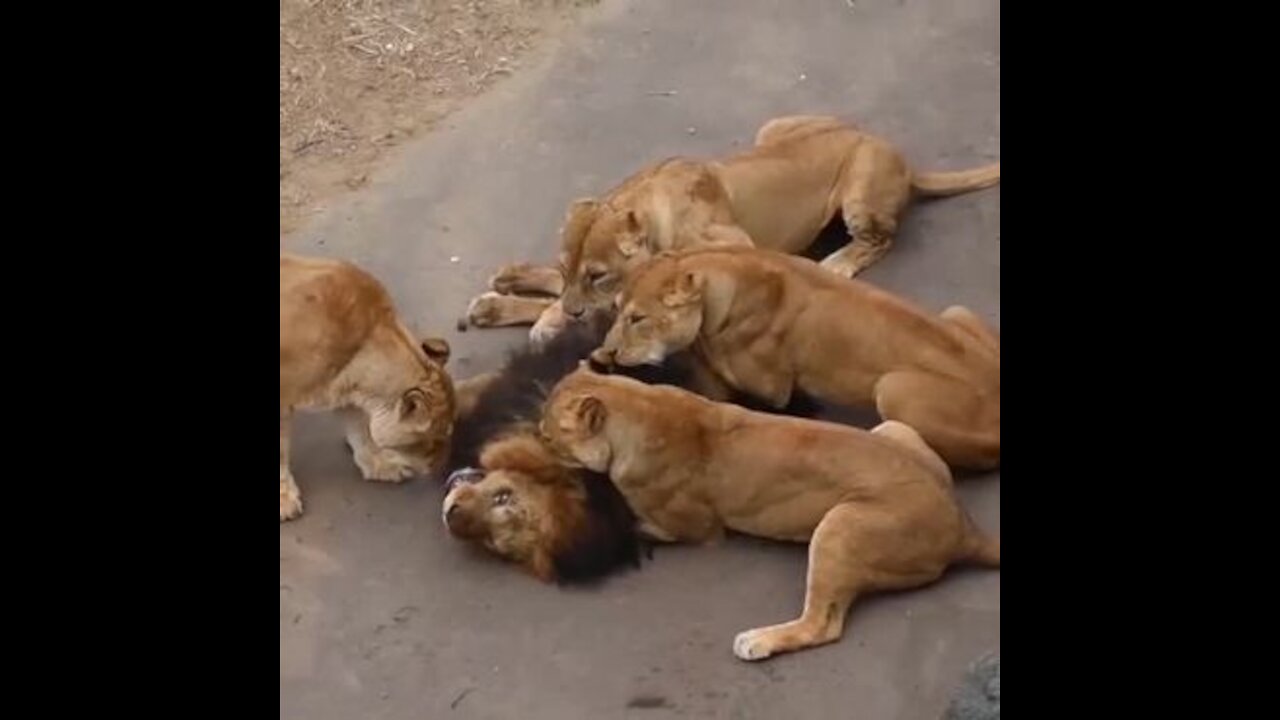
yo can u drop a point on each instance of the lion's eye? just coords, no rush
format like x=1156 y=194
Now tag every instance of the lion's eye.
x=637 y=318
x=597 y=278
x=502 y=497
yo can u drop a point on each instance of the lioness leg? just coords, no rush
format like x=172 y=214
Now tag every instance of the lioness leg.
x=783 y=128
x=528 y=278
x=704 y=381
x=875 y=188
x=968 y=321
x=957 y=421
x=721 y=235
x=855 y=549
x=374 y=463
x=907 y=436
x=494 y=310
x=290 y=496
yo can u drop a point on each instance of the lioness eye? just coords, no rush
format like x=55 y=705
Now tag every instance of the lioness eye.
x=502 y=497
x=637 y=317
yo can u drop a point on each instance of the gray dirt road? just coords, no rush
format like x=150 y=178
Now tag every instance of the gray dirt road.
x=383 y=616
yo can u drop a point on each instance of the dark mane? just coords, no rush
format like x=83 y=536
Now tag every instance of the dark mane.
x=529 y=374
x=607 y=538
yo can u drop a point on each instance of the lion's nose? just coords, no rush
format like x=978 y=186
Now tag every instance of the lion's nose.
x=452 y=520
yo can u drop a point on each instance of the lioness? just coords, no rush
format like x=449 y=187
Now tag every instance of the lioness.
x=506 y=491
x=876 y=507
x=343 y=347
x=802 y=173
x=769 y=324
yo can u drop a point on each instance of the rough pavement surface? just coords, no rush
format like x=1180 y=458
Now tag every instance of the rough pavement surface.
x=978 y=696
x=382 y=615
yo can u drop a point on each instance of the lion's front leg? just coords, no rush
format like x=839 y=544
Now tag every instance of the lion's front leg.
x=290 y=496
x=492 y=310
x=374 y=463
x=526 y=278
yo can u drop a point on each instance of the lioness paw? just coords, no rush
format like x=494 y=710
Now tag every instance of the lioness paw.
x=749 y=646
x=290 y=501
x=381 y=468
x=840 y=265
x=485 y=310
x=542 y=333
x=511 y=279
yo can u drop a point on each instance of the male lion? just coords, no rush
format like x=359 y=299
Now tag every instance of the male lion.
x=509 y=495
x=876 y=508
x=803 y=172
x=343 y=347
x=769 y=324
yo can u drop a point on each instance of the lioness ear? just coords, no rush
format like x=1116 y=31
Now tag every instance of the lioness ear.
x=685 y=289
x=591 y=413
x=581 y=205
x=629 y=246
x=576 y=222
x=636 y=239
x=413 y=401
x=437 y=349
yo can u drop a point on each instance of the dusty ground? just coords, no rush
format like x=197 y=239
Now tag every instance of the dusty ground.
x=360 y=76
x=383 y=616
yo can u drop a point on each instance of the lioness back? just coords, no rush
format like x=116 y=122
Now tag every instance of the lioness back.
x=328 y=309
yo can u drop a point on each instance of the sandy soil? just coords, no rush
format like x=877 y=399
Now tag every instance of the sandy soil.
x=358 y=77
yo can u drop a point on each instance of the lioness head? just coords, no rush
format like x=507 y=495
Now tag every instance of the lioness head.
x=523 y=505
x=573 y=423
x=600 y=245
x=659 y=314
x=413 y=429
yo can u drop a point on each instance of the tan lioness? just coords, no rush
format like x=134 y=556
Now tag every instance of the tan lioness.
x=343 y=347
x=876 y=508
x=803 y=172
x=769 y=325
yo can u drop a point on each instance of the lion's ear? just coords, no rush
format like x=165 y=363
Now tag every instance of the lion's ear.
x=591 y=413
x=684 y=289
x=437 y=349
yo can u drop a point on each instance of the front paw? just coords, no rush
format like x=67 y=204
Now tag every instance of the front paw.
x=510 y=279
x=290 y=499
x=485 y=310
x=380 y=467
x=542 y=331
x=752 y=645
x=840 y=265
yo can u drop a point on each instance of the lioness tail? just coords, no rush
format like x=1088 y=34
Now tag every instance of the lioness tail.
x=939 y=184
